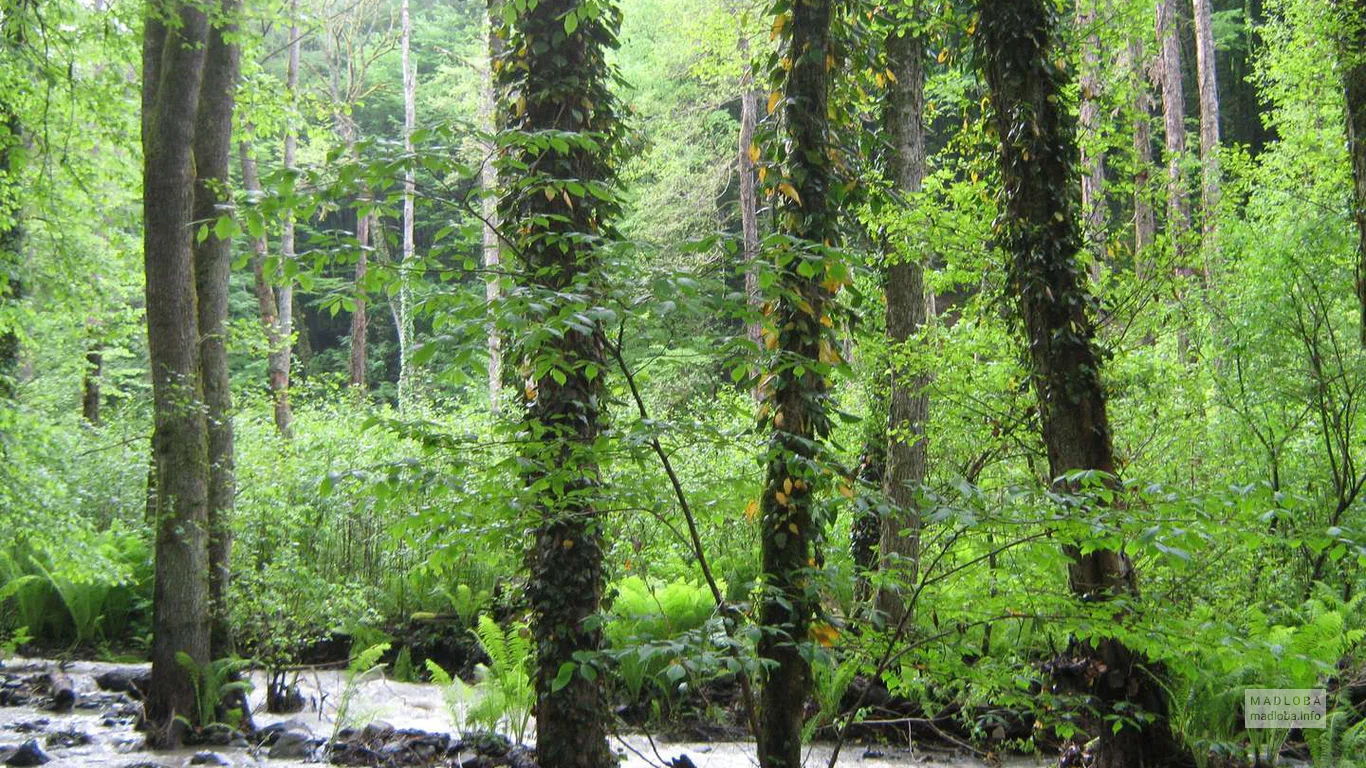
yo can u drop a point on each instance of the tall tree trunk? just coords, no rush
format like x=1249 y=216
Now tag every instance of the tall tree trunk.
x=284 y=297
x=1145 y=220
x=795 y=401
x=1174 y=128
x=90 y=384
x=403 y=321
x=553 y=76
x=11 y=226
x=277 y=360
x=174 y=41
x=1352 y=51
x=488 y=177
x=212 y=267
x=749 y=200
x=1038 y=230
x=359 y=320
x=1092 y=153
x=1209 y=117
x=909 y=400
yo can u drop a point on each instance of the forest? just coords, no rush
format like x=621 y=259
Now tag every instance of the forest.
x=985 y=377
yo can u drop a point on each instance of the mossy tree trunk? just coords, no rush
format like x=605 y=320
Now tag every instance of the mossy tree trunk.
x=11 y=217
x=560 y=125
x=174 y=43
x=212 y=266
x=1039 y=231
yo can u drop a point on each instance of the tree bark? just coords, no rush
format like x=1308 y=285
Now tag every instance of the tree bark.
x=402 y=308
x=795 y=402
x=908 y=396
x=488 y=177
x=174 y=41
x=1209 y=116
x=1092 y=153
x=555 y=77
x=11 y=220
x=1174 y=127
x=359 y=321
x=1038 y=230
x=277 y=360
x=1352 y=51
x=1145 y=220
x=212 y=268
x=749 y=200
x=284 y=297
x=90 y=384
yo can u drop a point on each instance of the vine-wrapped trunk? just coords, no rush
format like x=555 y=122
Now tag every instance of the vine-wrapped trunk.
x=553 y=77
x=1038 y=230
x=795 y=394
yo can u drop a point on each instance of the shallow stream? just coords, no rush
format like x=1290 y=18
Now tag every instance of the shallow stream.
x=113 y=743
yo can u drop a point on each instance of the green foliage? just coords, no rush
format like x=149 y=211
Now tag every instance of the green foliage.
x=455 y=693
x=503 y=696
x=214 y=683
x=362 y=666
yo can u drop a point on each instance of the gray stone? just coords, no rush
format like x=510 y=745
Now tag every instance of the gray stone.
x=28 y=754
x=292 y=745
x=209 y=758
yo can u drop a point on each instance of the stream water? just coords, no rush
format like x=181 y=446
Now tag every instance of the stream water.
x=113 y=743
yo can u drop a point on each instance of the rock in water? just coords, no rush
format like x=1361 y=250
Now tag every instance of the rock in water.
x=292 y=745
x=130 y=680
x=27 y=755
x=209 y=758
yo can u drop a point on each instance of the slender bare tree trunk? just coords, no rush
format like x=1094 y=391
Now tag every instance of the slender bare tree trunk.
x=908 y=396
x=749 y=201
x=1145 y=220
x=285 y=295
x=1209 y=117
x=488 y=177
x=1174 y=127
x=359 y=319
x=174 y=42
x=277 y=360
x=212 y=267
x=1092 y=154
x=402 y=308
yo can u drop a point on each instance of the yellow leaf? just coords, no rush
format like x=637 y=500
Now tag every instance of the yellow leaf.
x=824 y=634
x=790 y=191
x=880 y=80
x=530 y=392
x=827 y=322
x=779 y=22
x=828 y=354
x=781 y=498
x=793 y=527
x=778 y=419
x=753 y=153
x=752 y=510
x=943 y=56
x=550 y=194
x=829 y=62
x=521 y=106
x=568 y=544
x=773 y=99
x=891 y=75
x=763 y=172
x=770 y=340
x=847 y=490
x=787 y=485
x=805 y=306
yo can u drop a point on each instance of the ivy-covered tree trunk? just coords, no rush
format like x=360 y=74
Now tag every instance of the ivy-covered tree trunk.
x=488 y=179
x=90 y=384
x=360 y=325
x=212 y=267
x=402 y=305
x=908 y=398
x=1352 y=50
x=1038 y=230
x=11 y=227
x=174 y=41
x=795 y=388
x=556 y=179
